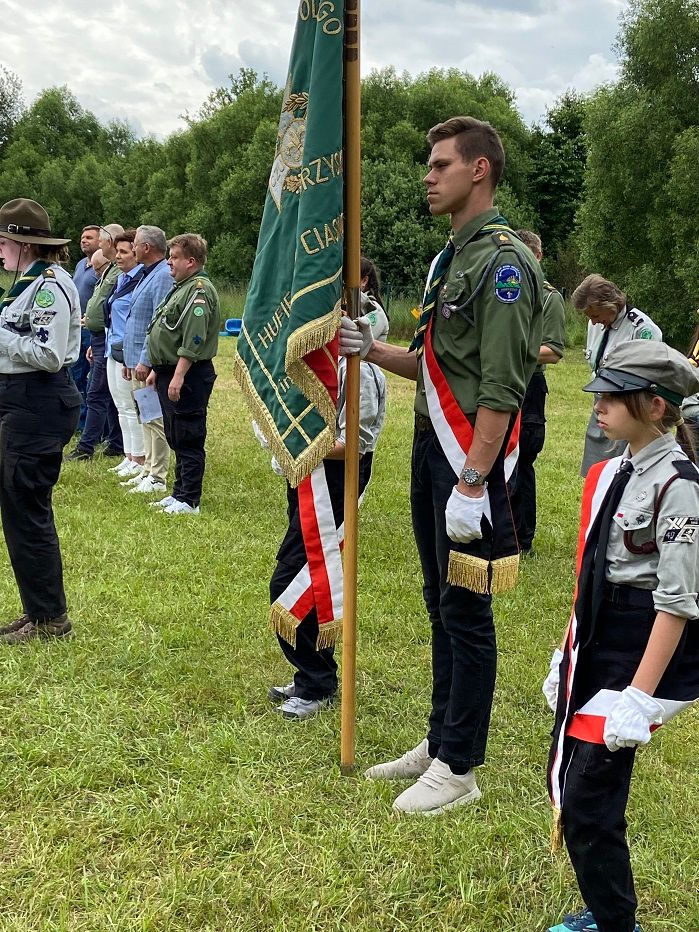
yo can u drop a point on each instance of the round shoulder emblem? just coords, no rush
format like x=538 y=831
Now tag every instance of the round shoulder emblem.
x=44 y=298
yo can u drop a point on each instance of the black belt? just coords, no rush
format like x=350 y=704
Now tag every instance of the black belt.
x=630 y=596
x=34 y=374
x=423 y=423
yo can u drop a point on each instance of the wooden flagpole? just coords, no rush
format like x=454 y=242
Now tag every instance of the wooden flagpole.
x=352 y=278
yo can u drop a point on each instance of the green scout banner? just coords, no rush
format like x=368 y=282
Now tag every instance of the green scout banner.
x=287 y=350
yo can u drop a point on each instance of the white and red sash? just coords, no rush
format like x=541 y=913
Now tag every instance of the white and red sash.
x=455 y=435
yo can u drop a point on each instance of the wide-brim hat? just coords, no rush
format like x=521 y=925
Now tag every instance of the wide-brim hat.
x=25 y=221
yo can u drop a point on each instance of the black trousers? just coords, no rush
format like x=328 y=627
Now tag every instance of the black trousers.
x=463 y=631
x=38 y=415
x=531 y=443
x=316 y=670
x=185 y=426
x=594 y=826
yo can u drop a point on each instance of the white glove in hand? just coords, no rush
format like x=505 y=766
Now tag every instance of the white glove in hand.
x=628 y=723
x=276 y=467
x=550 y=687
x=259 y=436
x=463 y=517
x=355 y=336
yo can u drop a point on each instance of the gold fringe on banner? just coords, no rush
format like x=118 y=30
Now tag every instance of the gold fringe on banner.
x=468 y=572
x=556 y=830
x=283 y=623
x=505 y=572
x=328 y=634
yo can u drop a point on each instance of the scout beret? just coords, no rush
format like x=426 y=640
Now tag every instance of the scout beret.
x=641 y=365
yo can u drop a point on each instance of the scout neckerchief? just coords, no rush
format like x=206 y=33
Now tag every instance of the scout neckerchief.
x=23 y=282
x=586 y=723
x=436 y=277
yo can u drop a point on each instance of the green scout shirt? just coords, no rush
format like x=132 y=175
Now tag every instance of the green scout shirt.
x=186 y=323
x=94 y=312
x=488 y=359
x=553 y=333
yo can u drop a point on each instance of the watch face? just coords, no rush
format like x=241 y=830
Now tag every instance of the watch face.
x=471 y=476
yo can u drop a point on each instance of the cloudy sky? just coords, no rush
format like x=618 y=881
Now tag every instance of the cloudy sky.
x=150 y=62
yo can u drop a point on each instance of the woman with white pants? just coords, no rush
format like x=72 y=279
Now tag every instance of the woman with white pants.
x=117 y=309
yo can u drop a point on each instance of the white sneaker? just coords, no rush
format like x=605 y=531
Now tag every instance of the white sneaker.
x=437 y=790
x=176 y=507
x=147 y=485
x=281 y=693
x=163 y=503
x=125 y=462
x=301 y=709
x=135 y=479
x=130 y=469
x=412 y=764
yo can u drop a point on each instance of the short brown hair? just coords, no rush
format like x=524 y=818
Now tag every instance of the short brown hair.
x=192 y=246
x=128 y=236
x=598 y=291
x=474 y=138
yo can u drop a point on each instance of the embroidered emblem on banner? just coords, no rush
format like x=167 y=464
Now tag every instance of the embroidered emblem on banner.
x=291 y=136
x=44 y=298
x=681 y=531
x=508 y=284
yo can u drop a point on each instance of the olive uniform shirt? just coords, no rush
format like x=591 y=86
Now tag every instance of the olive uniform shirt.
x=553 y=332
x=185 y=323
x=488 y=349
x=94 y=312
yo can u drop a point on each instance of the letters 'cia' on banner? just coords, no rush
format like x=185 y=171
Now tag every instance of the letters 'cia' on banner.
x=287 y=349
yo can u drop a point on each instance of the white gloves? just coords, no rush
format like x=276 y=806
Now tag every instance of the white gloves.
x=550 y=687
x=259 y=436
x=463 y=517
x=628 y=723
x=276 y=468
x=355 y=336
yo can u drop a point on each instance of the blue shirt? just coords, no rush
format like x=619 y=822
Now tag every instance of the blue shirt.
x=85 y=281
x=119 y=309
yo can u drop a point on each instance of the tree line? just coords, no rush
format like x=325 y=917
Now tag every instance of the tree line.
x=609 y=179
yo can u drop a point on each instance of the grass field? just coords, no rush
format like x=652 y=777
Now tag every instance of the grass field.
x=148 y=784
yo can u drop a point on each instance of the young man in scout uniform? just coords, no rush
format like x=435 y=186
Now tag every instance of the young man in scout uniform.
x=474 y=351
x=182 y=340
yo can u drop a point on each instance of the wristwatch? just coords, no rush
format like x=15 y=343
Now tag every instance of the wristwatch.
x=471 y=476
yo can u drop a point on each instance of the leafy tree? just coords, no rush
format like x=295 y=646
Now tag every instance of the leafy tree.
x=11 y=104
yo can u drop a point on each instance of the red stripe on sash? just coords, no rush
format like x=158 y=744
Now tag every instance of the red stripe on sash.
x=314 y=552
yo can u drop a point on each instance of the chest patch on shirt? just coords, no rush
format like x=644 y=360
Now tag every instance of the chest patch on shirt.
x=682 y=531
x=44 y=298
x=508 y=284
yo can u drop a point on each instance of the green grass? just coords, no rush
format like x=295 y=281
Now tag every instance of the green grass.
x=148 y=785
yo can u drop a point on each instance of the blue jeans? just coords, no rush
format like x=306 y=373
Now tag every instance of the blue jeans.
x=102 y=420
x=79 y=372
x=463 y=631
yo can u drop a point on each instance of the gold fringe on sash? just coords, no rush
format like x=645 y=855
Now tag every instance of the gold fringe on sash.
x=328 y=634
x=468 y=572
x=556 y=830
x=505 y=573
x=283 y=623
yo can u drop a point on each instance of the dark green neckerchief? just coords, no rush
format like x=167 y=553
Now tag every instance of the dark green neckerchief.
x=24 y=281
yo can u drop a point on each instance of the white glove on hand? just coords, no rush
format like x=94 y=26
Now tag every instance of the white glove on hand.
x=259 y=436
x=463 y=516
x=628 y=723
x=276 y=467
x=551 y=683
x=355 y=336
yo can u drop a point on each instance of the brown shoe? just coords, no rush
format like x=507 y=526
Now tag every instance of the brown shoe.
x=14 y=625
x=59 y=627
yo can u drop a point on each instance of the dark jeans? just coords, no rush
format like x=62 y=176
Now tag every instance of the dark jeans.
x=531 y=443
x=102 y=420
x=316 y=670
x=594 y=826
x=463 y=631
x=185 y=426
x=79 y=372
x=38 y=415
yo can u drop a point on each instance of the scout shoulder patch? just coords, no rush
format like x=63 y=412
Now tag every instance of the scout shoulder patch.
x=501 y=238
x=196 y=339
x=508 y=284
x=681 y=530
x=645 y=334
x=44 y=298
x=45 y=318
x=42 y=335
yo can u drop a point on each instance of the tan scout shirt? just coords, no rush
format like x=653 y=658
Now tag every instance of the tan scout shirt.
x=41 y=328
x=489 y=351
x=673 y=570
x=631 y=324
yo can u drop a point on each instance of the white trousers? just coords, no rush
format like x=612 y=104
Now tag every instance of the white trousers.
x=120 y=390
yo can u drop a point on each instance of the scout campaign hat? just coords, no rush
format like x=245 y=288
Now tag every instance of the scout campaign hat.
x=25 y=221
x=639 y=365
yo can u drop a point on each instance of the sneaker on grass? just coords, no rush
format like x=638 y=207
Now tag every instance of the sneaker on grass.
x=163 y=503
x=412 y=764
x=583 y=921
x=301 y=709
x=176 y=507
x=147 y=485
x=135 y=479
x=122 y=465
x=437 y=790
x=280 y=693
x=130 y=469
